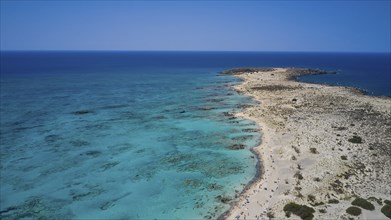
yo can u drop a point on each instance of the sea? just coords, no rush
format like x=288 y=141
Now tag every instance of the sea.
x=140 y=135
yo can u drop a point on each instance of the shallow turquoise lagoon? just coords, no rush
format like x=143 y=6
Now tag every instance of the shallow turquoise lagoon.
x=122 y=145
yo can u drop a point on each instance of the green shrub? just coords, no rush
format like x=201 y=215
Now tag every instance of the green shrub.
x=303 y=211
x=388 y=202
x=297 y=150
x=298 y=175
x=313 y=150
x=312 y=198
x=344 y=157
x=333 y=201
x=270 y=215
x=386 y=210
x=352 y=210
x=374 y=199
x=363 y=204
x=317 y=204
x=355 y=139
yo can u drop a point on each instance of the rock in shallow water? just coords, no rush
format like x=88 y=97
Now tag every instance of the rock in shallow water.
x=237 y=147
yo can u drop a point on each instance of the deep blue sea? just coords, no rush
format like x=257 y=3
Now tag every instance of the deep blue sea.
x=139 y=135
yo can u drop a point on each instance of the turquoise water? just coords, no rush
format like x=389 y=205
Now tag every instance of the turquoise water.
x=125 y=144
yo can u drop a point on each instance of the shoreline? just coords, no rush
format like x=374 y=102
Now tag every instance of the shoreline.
x=283 y=153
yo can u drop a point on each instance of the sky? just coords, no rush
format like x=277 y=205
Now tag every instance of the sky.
x=324 y=26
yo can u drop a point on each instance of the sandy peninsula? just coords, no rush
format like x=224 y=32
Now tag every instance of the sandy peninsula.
x=322 y=148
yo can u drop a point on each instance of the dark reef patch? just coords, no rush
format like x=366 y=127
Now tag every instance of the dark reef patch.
x=82 y=112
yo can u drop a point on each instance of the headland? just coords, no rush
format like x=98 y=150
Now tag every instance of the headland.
x=323 y=148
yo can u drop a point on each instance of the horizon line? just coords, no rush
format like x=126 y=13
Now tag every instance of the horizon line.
x=218 y=51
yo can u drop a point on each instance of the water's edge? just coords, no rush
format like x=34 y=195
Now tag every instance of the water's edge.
x=259 y=165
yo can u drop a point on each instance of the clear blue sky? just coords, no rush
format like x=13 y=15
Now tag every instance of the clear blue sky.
x=196 y=25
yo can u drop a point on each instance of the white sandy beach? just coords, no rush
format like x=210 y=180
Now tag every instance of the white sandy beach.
x=307 y=154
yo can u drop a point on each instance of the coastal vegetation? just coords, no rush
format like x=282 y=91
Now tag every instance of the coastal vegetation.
x=311 y=198
x=363 y=204
x=353 y=210
x=238 y=71
x=298 y=175
x=322 y=211
x=386 y=210
x=355 y=139
x=297 y=150
x=374 y=199
x=272 y=88
x=333 y=201
x=309 y=71
x=270 y=215
x=303 y=211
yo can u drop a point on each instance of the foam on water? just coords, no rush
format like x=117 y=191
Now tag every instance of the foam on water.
x=128 y=144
